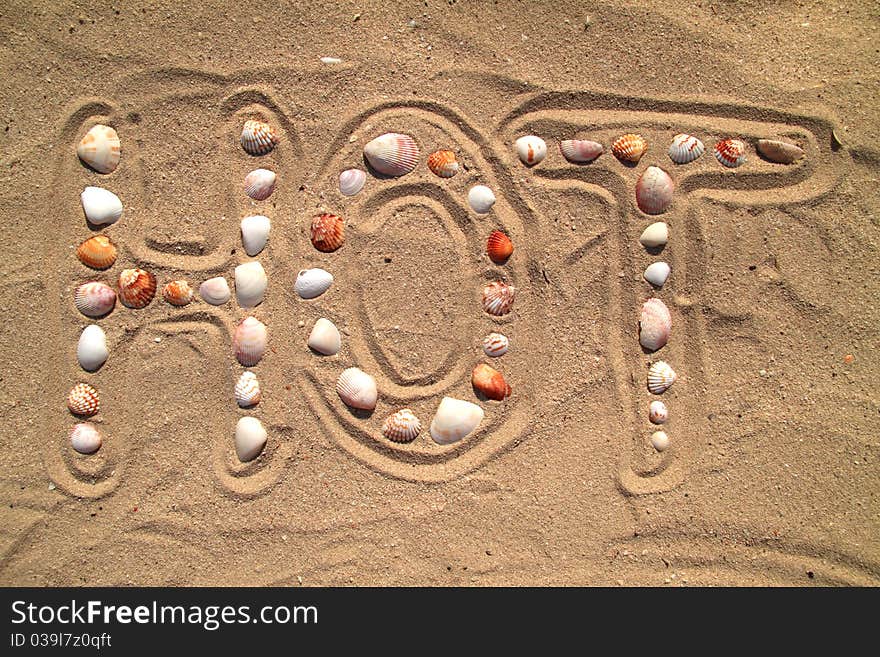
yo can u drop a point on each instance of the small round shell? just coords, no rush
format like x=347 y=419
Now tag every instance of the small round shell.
x=531 y=150
x=258 y=138
x=327 y=232
x=498 y=298
x=629 y=148
x=249 y=341
x=83 y=400
x=85 y=438
x=357 y=389
x=177 y=293
x=730 y=152
x=443 y=164
x=247 y=390
x=94 y=299
x=661 y=376
x=137 y=287
x=215 y=291
x=352 y=181
x=657 y=412
x=660 y=441
x=685 y=148
x=481 y=199
x=499 y=247
x=654 y=191
x=580 y=150
x=495 y=345
x=392 y=154
x=100 y=149
x=97 y=252
x=402 y=426
x=779 y=151
x=259 y=184
x=490 y=382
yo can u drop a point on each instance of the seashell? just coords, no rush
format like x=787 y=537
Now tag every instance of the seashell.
x=85 y=438
x=392 y=154
x=101 y=206
x=779 y=151
x=685 y=148
x=495 y=345
x=498 y=298
x=97 y=252
x=325 y=338
x=137 y=287
x=250 y=284
x=331 y=60
x=657 y=412
x=83 y=400
x=99 y=149
x=654 y=191
x=247 y=390
x=250 y=438
x=661 y=376
x=481 y=199
x=258 y=138
x=177 y=293
x=454 y=420
x=357 y=389
x=655 y=235
x=255 y=233
x=659 y=440
x=215 y=291
x=490 y=382
x=312 y=283
x=657 y=273
x=94 y=299
x=259 y=184
x=328 y=232
x=402 y=426
x=499 y=247
x=352 y=181
x=655 y=325
x=249 y=341
x=730 y=152
x=629 y=148
x=91 y=350
x=580 y=150
x=443 y=164
x=531 y=150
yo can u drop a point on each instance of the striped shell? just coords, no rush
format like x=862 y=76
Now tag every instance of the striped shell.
x=490 y=382
x=685 y=148
x=352 y=181
x=215 y=291
x=100 y=149
x=402 y=426
x=654 y=325
x=580 y=150
x=657 y=412
x=328 y=232
x=498 y=298
x=629 y=148
x=495 y=345
x=392 y=154
x=654 y=191
x=85 y=438
x=661 y=376
x=247 y=390
x=779 y=151
x=730 y=152
x=137 y=288
x=250 y=438
x=258 y=138
x=97 y=252
x=177 y=293
x=249 y=341
x=357 y=389
x=94 y=299
x=499 y=247
x=531 y=150
x=83 y=400
x=259 y=184
x=443 y=164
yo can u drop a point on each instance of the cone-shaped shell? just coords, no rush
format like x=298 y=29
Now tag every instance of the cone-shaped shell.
x=325 y=338
x=730 y=152
x=654 y=325
x=779 y=151
x=100 y=149
x=137 y=287
x=255 y=233
x=101 y=206
x=247 y=390
x=177 y=293
x=250 y=284
x=654 y=191
x=481 y=199
x=83 y=400
x=250 y=438
x=685 y=148
x=312 y=283
x=490 y=382
x=327 y=232
x=352 y=181
x=357 y=389
x=580 y=150
x=392 y=154
x=215 y=291
x=660 y=377
x=495 y=345
x=454 y=420
x=499 y=247
x=249 y=341
x=258 y=138
x=531 y=150
x=85 y=438
x=402 y=426
x=655 y=235
x=94 y=299
x=660 y=441
x=498 y=298
x=443 y=164
x=91 y=350
x=97 y=252
x=259 y=184
x=657 y=412
x=656 y=273
x=629 y=148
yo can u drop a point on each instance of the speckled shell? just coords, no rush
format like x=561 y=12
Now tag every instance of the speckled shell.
x=100 y=149
x=580 y=150
x=97 y=252
x=498 y=298
x=83 y=400
x=392 y=154
x=215 y=291
x=657 y=412
x=454 y=420
x=661 y=376
x=499 y=247
x=250 y=284
x=357 y=389
x=495 y=345
x=91 y=349
x=250 y=438
x=327 y=232
x=654 y=191
x=259 y=184
x=94 y=299
x=654 y=325
x=249 y=341
x=629 y=148
x=258 y=138
x=481 y=199
x=85 y=438
x=779 y=151
x=352 y=181
x=402 y=426
x=312 y=283
x=443 y=164
x=531 y=150
x=490 y=382
x=247 y=390
x=177 y=293
x=101 y=206
x=685 y=148
x=730 y=152
x=137 y=288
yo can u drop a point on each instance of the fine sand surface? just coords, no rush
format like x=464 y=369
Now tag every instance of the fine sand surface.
x=772 y=473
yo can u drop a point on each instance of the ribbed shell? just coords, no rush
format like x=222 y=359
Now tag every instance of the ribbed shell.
x=629 y=148
x=730 y=152
x=654 y=325
x=660 y=377
x=259 y=184
x=495 y=345
x=654 y=191
x=94 y=299
x=499 y=247
x=97 y=252
x=490 y=382
x=580 y=150
x=100 y=149
x=352 y=181
x=685 y=148
x=247 y=390
x=657 y=412
x=402 y=426
x=137 y=287
x=312 y=283
x=249 y=341
x=498 y=298
x=443 y=164
x=83 y=400
x=779 y=151
x=85 y=438
x=531 y=149
x=215 y=291
x=327 y=232
x=357 y=389
x=392 y=154
x=258 y=138
x=177 y=293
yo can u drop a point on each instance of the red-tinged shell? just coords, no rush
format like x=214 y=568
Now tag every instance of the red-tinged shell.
x=490 y=382
x=654 y=325
x=258 y=138
x=392 y=154
x=654 y=191
x=177 y=293
x=730 y=152
x=499 y=247
x=97 y=252
x=580 y=150
x=83 y=400
x=443 y=163
x=629 y=148
x=137 y=287
x=94 y=299
x=328 y=232
x=498 y=298
x=249 y=341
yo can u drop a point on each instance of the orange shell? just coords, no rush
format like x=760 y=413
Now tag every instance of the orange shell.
x=443 y=163
x=499 y=247
x=97 y=252
x=490 y=382
x=629 y=148
x=498 y=298
x=177 y=293
x=136 y=287
x=328 y=232
x=83 y=400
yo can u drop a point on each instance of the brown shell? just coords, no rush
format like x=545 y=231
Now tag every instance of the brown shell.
x=137 y=288
x=83 y=400
x=328 y=232
x=177 y=293
x=629 y=148
x=97 y=252
x=499 y=247
x=490 y=382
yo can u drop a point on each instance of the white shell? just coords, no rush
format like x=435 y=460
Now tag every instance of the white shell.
x=481 y=199
x=247 y=390
x=392 y=154
x=250 y=284
x=100 y=149
x=357 y=389
x=659 y=440
x=91 y=350
x=580 y=150
x=259 y=184
x=255 y=233
x=454 y=420
x=402 y=426
x=325 y=338
x=312 y=283
x=657 y=412
x=85 y=438
x=351 y=181
x=655 y=235
x=655 y=325
x=685 y=148
x=531 y=149
x=495 y=345
x=657 y=273
x=249 y=341
x=250 y=438
x=101 y=206
x=661 y=376
x=215 y=291
x=331 y=60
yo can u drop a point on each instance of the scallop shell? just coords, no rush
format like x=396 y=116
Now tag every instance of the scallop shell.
x=580 y=150
x=490 y=382
x=499 y=247
x=481 y=199
x=250 y=438
x=402 y=426
x=312 y=283
x=454 y=420
x=730 y=152
x=255 y=233
x=177 y=293
x=657 y=273
x=83 y=400
x=685 y=148
x=531 y=150
x=352 y=181
x=137 y=287
x=495 y=345
x=357 y=389
x=215 y=291
x=249 y=341
x=657 y=412
x=258 y=138
x=100 y=149
x=325 y=338
x=250 y=284
x=629 y=148
x=779 y=151
x=654 y=325
x=97 y=252
x=101 y=206
x=91 y=349
x=328 y=232
x=654 y=191
x=259 y=184
x=443 y=164
x=392 y=154
x=247 y=390
x=94 y=299
x=85 y=438
x=661 y=376
x=655 y=235
x=498 y=298
x=659 y=441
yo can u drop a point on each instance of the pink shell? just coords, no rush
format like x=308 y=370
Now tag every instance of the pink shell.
x=654 y=191
x=85 y=438
x=94 y=299
x=259 y=184
x=655 y=325
x=249 y=341
x=580 y=150
x=392 y=154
